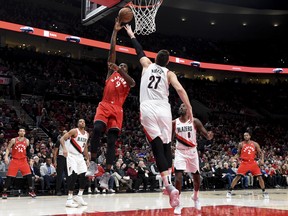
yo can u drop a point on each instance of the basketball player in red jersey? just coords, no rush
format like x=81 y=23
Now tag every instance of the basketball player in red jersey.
x=186 y=154
x=18 y=162
x=109 y=113
x=247 y=151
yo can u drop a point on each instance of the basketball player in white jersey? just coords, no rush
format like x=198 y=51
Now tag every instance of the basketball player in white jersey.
x=76 y=165
x=155 y=110
x=186 y=155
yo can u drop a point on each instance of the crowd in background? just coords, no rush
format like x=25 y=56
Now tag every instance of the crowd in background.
x=75 y=88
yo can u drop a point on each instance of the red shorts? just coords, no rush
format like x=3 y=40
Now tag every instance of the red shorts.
x=18 y=164
x=251 y=166
x=111 y=115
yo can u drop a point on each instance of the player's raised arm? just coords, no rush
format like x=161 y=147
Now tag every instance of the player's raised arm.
x=112 y=51
x=144 y=61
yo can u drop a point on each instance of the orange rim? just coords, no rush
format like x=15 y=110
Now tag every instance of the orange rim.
x=147 y=6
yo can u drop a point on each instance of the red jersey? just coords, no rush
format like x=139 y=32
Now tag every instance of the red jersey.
x=248 y=151
x=116 y=89
x=19 y=148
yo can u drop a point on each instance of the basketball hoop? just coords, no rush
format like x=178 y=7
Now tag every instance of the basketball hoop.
x=144 y=12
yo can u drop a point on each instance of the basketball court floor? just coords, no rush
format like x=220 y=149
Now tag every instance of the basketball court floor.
x=214 y=203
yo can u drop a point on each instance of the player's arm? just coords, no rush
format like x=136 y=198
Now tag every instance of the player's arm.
x=112 y=51
x=86 y=154
x=238 y=151
x=173 y=129
x=66 y=136
x=55 y=152
x=172 y=78
x=113 y=67
x=207 y=134
x=144 y=61
x=11 y=143
x=260 y=153
x=28 y=153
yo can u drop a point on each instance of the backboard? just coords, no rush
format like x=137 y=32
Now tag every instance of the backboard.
x=94 y=10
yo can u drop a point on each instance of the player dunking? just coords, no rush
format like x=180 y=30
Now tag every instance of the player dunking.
x=109 y=113
x=186 y=155
x=18 y=162
x=247 y=151
x=155 y=110
x=76 y=165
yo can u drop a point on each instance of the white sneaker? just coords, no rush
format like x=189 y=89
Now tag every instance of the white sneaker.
x=265 y=195
x=71 y=204
x=96 y=190
x=177 y=210
x=89 y=190
x=197 y=204
x=104 y=191
x=111 y=190
x=80 y=201
x=229 y=194
x=174 y=197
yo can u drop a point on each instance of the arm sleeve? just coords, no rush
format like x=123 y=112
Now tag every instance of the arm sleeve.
x=138 y=48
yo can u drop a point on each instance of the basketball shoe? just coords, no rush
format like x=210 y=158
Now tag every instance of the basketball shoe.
x=80 y=201
x=71 y=204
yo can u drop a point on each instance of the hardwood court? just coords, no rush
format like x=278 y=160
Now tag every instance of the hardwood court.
x=214 y=203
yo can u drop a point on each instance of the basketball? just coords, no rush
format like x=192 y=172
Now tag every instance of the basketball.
x=125 y=15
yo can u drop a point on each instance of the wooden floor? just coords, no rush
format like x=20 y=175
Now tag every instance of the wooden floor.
x=214 y=203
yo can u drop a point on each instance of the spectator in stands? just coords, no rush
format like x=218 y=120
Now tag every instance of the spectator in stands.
x=120 y=177
x=48 y=172
x=145 y=178
x=132 y=173
x=36 y=175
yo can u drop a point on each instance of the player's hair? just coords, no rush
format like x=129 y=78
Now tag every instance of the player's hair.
x=162 y=58
x=249 y=132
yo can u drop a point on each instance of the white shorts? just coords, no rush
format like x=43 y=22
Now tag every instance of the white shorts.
x=187 y=159
x=76 y=163
x=156 y=118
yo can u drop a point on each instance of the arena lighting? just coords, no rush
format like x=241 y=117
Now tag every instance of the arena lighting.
x=129 y=50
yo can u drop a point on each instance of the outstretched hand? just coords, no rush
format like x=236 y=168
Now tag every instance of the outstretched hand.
x=117 y=26
x=129 y=30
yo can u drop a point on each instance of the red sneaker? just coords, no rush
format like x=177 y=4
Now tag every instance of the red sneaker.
x=32 y=194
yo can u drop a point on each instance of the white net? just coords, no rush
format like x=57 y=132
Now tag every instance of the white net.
x=144 y=12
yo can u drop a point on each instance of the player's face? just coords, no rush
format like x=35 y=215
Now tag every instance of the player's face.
x=247 y=136
x=182 y=109
x=81 y=123
x=124 y=66
x=21 y=133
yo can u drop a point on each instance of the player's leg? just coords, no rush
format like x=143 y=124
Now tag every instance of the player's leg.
x=255 y=171
x=99 y=127
x=11 y=174
x=71 y=180
x=178 y=185
x=169 y=157
x=195 y=196
x=26 y=172
x=112 y=137
x=82 y=184
x=61 y=163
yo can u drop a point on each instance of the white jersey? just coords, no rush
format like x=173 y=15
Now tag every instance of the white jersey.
x=66 y=143
x=77 y=144
x=154 y=83
x=185 y=134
